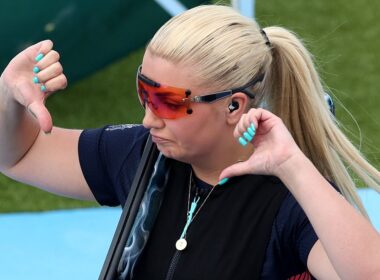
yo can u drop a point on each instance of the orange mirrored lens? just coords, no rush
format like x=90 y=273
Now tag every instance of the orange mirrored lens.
x=165 y=102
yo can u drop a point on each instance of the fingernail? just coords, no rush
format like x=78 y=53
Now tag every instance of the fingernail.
x=43 y=88
x=39 y=57
x=36 y=69
x=36 y=80
x=251 y=131
x=247 y=136
x=223 y=181
x=242 y=141
x=253 y=128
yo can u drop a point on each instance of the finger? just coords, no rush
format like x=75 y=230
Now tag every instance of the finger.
x=45 y=46
x=52 y=71
x=261 y=115
x=57 y=83
x=42 y=114
x=42 y=47
x=48 y=59
x=245 y=130
x=240 y=127
x=234 y=170
x=253 y=119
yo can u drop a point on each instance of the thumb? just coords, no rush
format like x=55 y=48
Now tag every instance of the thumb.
x=236 y=169
x=42 y=114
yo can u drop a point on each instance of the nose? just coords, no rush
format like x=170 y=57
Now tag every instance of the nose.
x=150 y=120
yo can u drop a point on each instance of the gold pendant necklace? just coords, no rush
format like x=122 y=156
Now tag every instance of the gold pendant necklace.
x=181 y=243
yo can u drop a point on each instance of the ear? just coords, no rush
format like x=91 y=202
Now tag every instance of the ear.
x=237 y=105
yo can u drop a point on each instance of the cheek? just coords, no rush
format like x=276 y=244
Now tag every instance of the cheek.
x=186 y=136
x=196 y=136
x=197 y=133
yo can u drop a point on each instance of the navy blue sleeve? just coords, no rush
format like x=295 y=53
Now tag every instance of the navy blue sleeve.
x=296 y=228
x=304 y=235
x=291 y=241
x=109 y=158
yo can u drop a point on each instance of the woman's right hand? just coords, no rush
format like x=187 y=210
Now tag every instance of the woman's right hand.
x=17 y=80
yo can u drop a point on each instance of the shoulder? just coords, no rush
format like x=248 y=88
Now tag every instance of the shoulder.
x=109 y=153
x=114 y=137
x=115 y=132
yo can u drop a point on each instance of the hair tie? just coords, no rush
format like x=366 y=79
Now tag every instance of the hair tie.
x=267 y=42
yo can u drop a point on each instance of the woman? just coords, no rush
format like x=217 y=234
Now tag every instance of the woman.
x=248 y=148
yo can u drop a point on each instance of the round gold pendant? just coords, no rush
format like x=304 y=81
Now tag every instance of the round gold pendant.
x=181 y=244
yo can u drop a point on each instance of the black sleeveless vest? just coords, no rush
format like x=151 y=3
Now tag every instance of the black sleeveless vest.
x=227 y=239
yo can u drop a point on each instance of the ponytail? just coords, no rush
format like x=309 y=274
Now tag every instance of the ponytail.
x=293 y=91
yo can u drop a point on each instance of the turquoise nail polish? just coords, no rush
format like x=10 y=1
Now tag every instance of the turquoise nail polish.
x=43 y=88
x=247 y=136
x=253 y=128
x=35 y=80
x=36 y=69
x=242 y=141
x=39 y=57
x=251 y=131
x=223 y=181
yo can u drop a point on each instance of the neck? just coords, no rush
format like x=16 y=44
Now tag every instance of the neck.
x=209 y=168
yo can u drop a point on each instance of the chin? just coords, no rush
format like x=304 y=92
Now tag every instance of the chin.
x=173 y=154
x=167 y=152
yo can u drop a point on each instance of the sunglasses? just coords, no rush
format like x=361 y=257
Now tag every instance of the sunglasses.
x=168 y=102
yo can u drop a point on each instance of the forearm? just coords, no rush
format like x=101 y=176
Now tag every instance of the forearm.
x=350 y=241
x=18 y=130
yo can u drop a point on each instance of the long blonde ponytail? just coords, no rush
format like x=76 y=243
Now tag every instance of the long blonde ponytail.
x=297 y=97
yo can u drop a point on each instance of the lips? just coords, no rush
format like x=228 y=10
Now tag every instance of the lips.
x=159 y=140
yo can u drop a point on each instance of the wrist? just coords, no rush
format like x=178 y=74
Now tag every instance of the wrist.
x=292 y=168
x=7 y=100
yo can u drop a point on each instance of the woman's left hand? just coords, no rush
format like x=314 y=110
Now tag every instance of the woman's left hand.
x=274 y=146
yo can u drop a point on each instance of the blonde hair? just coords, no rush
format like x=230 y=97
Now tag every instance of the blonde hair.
x=228 y=50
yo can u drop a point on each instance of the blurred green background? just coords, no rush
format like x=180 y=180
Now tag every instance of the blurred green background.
x=342 y=35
